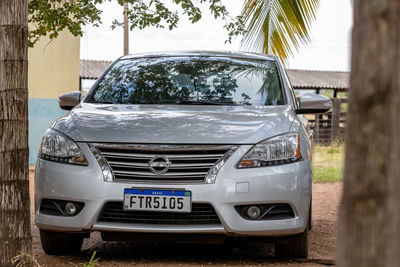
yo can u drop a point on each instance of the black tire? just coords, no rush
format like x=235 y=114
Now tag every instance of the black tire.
x=310 y=217
x=294 y=246
x=60 y=244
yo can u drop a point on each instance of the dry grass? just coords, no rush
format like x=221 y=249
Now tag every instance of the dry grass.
x=24 y=260
x=328 y=163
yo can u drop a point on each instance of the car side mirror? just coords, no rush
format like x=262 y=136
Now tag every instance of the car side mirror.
x=69 y=100
x=313 y=103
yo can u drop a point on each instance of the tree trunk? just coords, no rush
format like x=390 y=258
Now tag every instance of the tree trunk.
x=369 y=225
x=15 y=233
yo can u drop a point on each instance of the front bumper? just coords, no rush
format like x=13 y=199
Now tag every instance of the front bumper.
x=289 y=184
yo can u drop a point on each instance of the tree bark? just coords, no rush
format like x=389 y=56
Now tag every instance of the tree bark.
x=369 y=225
x=15 y=232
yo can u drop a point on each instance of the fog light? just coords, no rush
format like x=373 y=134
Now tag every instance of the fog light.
x=253 y=212
x=70 y=208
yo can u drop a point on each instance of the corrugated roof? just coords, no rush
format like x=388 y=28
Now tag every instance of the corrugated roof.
x=314 y=79
x=92 y=69
x=300 y=79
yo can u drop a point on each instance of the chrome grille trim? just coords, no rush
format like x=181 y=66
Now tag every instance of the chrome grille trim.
x=175 y=166
x=172 y=157
x=146 y=174
x=150 y=147
x=189 y=163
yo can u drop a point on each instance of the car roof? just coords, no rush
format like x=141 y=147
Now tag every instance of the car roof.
x=230 y=54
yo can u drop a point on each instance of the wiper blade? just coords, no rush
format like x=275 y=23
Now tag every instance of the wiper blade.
x=194 y=102
x=101 y=102
x=244 y=103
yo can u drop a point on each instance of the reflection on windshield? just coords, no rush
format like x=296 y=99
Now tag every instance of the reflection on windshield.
x=190 y=80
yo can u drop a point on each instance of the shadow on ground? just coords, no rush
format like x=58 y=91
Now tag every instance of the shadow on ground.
x=150 y=254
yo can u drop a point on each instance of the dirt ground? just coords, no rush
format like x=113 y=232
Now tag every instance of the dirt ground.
x=322 y=240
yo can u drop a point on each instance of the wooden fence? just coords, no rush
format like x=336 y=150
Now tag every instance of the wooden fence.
x=330 y=127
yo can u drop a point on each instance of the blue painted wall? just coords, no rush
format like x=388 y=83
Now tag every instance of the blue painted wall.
x=42 y=112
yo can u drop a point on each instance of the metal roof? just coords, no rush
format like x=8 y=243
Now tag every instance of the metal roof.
x=300 y=79
x=92 y=69
x=314 y=79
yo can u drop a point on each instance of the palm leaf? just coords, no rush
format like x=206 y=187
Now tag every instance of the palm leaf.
x=277 y=26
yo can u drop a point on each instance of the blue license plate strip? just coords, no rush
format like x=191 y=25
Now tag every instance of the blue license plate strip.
x=153 y=192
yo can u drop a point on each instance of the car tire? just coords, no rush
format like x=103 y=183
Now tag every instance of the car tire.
x=294 y=246
x=310 y=217
x=60 y=244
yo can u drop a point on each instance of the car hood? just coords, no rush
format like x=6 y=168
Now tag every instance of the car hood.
x=174 y=124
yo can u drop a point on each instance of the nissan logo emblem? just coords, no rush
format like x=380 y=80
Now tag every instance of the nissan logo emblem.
x=159 y=164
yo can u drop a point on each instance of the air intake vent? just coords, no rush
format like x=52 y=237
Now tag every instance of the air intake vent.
x=56 y=207
x=279 y=211
x=201 y=214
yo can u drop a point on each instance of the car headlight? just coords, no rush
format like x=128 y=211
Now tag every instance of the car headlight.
x=276 y=150
x=58 y=147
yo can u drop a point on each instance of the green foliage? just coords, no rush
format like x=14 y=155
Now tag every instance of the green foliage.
x=91 y=263
x=50 y=17
x=328 y=163
x=278 y=26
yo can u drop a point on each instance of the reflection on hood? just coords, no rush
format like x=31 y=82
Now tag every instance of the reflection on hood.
x=177 y=124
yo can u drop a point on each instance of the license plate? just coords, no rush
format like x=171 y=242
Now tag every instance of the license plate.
x=157 y=200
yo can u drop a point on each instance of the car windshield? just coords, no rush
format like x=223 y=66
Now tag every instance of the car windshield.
x=190 y=80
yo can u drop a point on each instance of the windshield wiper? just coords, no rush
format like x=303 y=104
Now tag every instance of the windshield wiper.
x=194 y=102
x=100 y=102
x=106 y=102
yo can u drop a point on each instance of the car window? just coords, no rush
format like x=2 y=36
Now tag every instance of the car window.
x=190 y=80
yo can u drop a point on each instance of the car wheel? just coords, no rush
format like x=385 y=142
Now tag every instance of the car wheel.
x=310 y=217
x=294 y=246
x=60 y=244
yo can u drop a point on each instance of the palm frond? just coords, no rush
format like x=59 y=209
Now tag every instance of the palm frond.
x=278 y=26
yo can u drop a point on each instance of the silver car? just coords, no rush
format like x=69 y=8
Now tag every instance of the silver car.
x=188 y=146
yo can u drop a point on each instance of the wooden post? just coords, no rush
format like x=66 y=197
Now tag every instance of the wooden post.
x=335 y=121
x=317 y=132
x=316 y=129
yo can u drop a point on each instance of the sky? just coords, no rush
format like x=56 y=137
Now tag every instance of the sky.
x=329 y=48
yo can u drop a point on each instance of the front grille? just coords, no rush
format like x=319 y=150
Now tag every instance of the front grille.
x=201 y=214
x=188 y=163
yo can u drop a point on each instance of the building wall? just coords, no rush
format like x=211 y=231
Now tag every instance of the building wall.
x=53 y=69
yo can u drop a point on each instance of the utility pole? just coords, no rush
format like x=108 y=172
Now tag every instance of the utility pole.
x=126 y=29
